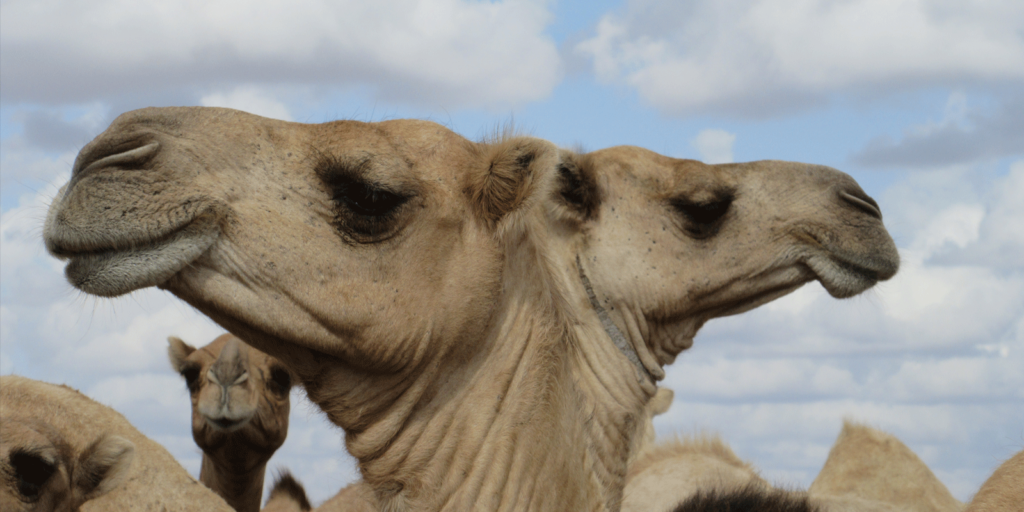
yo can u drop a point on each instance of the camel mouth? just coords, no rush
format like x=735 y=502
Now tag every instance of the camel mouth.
x=226 y=424
x=844 y=277
x=119 y=270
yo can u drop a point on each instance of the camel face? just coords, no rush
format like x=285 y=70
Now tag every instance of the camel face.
x=334 y=235
x=234 y=387
x=41 y=471
x=240 y=407
x=671 y=243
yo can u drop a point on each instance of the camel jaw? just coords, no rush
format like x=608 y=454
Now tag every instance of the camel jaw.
x=119 y=270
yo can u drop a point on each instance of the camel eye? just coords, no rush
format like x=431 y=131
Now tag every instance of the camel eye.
x=191 y=375
x=280 y=380
x=32 y=472
x=364 y=210
x=366 y=200
x=702 y=219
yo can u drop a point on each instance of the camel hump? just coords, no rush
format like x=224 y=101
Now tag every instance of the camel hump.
x=287 y=495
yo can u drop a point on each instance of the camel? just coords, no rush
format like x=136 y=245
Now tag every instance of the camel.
x=57 y=433
x=240 y=409
x=287 y=495
x=867 y=471
x=43 y=471
x=672 y=472
x=485 y=320
x=867 y=467
x=1004 y=490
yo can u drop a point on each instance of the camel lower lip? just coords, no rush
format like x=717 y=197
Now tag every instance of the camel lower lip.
x=224 y=424
x=842 y=278
x=116 y=272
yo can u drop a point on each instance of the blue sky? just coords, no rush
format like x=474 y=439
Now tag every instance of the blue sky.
x=919 y=100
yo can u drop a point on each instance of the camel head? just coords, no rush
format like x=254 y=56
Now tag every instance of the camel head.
x=666 y=244
x=327 y=239
x=41 y=471
x=478 y=317
x=240 y=399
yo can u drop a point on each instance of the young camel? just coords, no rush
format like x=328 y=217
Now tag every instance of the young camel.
x=58 y=448
x=1004 y=490
x=240 y=409
x=486 y=321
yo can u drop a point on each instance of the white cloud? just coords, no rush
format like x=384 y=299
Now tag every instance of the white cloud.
x=249 y=99
x=458 y=52
x=714 y=146
x=769 y=55
x=965 y=134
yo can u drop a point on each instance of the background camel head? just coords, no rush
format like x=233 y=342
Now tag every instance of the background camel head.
x=240 y=396
x=669 y=244
x=41 y=471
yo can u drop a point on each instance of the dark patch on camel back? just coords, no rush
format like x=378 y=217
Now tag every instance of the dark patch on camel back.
x=748 y=499
x=287 y=485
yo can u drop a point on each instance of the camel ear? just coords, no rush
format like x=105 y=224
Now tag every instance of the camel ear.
x=103 y=466
x=660 y=402
x=577 y=196
x=178 y=351
x=516 y=169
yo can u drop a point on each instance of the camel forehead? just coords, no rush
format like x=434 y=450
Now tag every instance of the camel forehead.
x=656 y=170
x=208 y=354
x=409 y=148
x=196 y=123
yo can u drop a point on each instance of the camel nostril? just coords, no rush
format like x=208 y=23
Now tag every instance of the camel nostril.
x=862 y=202
x=135 y=155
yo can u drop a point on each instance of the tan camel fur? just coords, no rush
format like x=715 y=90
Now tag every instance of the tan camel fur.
x=44 y=414
x=240 y=409
x=867 y=471
x=486 y=321
x=358 y=497
x=41 y=471
x=867 y=466
x=658 y=405
x=1004 y=490
x=287 y=495
x=671 y=472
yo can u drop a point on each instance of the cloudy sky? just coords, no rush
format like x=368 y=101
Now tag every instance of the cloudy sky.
x=921 y=101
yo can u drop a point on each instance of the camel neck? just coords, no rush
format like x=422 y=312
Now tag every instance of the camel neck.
x=241 y=487
x=541 y=412
x=525 y=424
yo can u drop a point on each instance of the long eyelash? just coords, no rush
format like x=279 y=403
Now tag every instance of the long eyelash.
x=362 y=208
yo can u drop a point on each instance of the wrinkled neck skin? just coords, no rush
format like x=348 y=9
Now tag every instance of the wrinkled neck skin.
x=542 y=416
x=239 y=483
